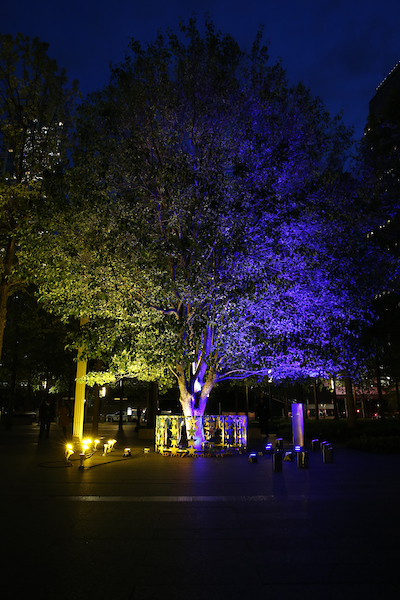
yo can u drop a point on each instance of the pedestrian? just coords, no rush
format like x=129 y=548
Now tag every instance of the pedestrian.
x=139 y=414
x=263 y=418
x=63 y=419
x=46 y=416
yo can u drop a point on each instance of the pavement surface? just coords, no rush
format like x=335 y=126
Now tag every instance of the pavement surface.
x=149 y=526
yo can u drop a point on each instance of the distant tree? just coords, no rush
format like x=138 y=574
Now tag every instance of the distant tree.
x=35 y=108
x=35 y=358
x=205 y=239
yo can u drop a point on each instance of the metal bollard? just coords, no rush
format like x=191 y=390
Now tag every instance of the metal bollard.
x=277 y=462
x=315 y=445
x=322 y=446
x=279 y=443
x=302 y=459
x=327 y=454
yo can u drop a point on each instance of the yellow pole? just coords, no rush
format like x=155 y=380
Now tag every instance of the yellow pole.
x=79 y=406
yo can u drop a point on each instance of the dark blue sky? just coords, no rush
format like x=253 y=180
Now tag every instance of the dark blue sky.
x=340 y=49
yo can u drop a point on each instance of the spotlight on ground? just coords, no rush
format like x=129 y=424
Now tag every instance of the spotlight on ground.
x=68 y=451
x=111 y=444
x=82 y=457
x=268 y=449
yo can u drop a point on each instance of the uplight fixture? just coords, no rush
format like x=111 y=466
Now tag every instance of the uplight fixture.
x=68 y=451
x=111 y=444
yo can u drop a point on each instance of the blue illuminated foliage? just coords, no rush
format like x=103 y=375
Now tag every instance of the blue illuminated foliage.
x=221 y=197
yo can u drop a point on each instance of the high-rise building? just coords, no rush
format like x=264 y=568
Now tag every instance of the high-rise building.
x=386 y=91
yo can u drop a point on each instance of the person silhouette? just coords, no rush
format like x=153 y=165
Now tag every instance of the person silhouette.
x=46 y=415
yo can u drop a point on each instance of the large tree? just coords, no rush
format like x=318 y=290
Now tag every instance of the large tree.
x=35 y=105
x=203 y=233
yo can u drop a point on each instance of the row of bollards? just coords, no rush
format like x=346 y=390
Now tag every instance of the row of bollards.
x=325 y=448
x=299 y=454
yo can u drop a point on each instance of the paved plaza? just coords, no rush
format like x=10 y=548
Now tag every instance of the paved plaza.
x=148 y=526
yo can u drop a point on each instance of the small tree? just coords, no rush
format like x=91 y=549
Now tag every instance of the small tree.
x=34 y=119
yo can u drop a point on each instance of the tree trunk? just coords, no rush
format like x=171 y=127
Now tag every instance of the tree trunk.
x=351 y=411
x=270 y=403
x=193 y=413
x=96 y=403
x=5 y=288
x=4 y=293
x=335 y=400
x=398 y=398
x=286 y=403
x=316 y=399
x=382 y=401
x=152 y=403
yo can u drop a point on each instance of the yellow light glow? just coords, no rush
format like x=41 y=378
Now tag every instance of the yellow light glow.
x=68 y=451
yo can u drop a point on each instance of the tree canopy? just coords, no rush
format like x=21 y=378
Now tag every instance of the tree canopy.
x=206 y=232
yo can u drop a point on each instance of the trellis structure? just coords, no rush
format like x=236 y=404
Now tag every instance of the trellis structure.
x=210 y=433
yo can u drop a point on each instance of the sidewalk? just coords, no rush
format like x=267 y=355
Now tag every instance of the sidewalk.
x=148 y=526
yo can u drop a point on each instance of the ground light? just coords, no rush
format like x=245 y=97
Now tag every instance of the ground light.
x=253 y=457
x=289 y=456
x=82 y=457
x=68 y=452
x=268 y=449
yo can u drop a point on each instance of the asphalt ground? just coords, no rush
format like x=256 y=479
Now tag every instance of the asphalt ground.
x=149 y=526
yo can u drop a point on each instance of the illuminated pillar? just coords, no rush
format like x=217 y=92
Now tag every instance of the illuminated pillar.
x=298 y=424
x=79 y=406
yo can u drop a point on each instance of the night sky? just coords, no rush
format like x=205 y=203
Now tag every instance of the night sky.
x=340 y=49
